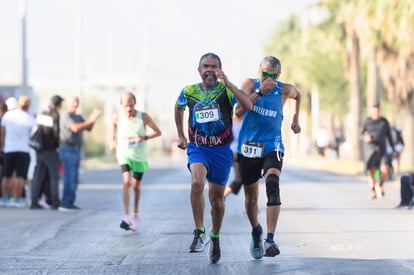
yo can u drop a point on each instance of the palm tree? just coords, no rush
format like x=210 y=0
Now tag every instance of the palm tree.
x=314 y=64
x=344 y=15
x=396 y=59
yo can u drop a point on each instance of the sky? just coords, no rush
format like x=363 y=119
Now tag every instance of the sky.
x=155 y=44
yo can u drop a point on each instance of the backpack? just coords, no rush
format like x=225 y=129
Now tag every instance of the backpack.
x=36 y=140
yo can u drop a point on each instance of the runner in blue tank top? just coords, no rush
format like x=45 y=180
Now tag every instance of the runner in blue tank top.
x=209 y=155
x=261 y=148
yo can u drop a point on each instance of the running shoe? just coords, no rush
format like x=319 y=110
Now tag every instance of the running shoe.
x=66 y=209
x=74 y=207
x=271 y=248
x=135 y=223
x=198 y=241
x=214 y=254
x=402 y=206
x=4 y=202
x=373 y=195
x=380 y=191
x=256 y=247
x=125 y=223
x=44 y=204
x=11 y=202
x=19 y=203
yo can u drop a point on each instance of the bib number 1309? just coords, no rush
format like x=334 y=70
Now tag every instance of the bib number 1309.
x=252 y=149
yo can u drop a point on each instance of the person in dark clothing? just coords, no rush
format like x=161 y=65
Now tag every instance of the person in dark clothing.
x=47 y=157
x=375 y=131
x=3 y=109
x=399 y=147
x=407 y=192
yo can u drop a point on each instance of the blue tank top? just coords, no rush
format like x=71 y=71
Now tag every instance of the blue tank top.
x=261 y=130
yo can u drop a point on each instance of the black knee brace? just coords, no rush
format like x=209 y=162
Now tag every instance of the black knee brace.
x=272 y=190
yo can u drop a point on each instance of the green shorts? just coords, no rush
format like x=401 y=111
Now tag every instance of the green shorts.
x=136 y=166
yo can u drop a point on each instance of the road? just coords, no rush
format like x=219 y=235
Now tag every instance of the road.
x=327 y=226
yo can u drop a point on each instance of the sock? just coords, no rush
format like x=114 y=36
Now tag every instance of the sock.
x=201 y=229
x=214 y=235
x=257 y=230
x=270 y=236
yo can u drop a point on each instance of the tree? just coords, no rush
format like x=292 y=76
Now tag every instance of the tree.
x=396 y=59
x=313 y=63
x=377 y=33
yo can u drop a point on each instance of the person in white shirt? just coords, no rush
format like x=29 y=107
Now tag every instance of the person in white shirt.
x=16 y=127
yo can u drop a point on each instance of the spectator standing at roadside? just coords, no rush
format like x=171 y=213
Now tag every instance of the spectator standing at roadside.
x=399 y=148
x=129 y=141
x=3 y=110
x=9 y=104
x=322 y=141
x=406 y=192
x=47 y=158
x=72 y=126
x=16 y=127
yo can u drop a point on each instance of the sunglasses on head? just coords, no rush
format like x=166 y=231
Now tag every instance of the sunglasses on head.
x=272 y=75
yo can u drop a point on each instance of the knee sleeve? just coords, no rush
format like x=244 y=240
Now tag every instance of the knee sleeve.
x=272 y=190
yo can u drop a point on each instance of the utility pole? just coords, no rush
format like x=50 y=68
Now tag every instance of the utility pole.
x=23 y=12
x=145 y=55
x=78 y=48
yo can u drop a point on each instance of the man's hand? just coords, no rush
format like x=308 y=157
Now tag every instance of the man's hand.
x=182 y=143
x=295 y=127
x=222 y=77
x=267 y=85
x=96 y=113
x=368 y=138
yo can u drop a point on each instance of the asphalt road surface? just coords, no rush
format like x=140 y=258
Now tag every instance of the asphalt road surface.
x=327 y=226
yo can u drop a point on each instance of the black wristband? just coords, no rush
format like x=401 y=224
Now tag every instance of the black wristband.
x=145 y=137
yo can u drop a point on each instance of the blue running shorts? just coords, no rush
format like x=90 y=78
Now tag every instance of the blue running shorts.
x=217 y=159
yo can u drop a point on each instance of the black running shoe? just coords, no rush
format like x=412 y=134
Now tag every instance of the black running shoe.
x=214 y=253
x=271 y=248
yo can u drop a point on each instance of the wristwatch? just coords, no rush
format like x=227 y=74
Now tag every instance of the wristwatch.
x=258 y=92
